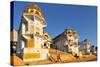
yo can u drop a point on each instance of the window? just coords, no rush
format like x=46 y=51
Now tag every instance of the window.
x=31 y=17
x=23 y=44
x=68 y=32
x=46 y=36
x=37 y=33
x=44 y=44
x=37 y=13
x=32 y=11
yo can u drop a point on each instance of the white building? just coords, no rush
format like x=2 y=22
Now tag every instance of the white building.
x=31 y=40
x=67 y=41
x=85 y=46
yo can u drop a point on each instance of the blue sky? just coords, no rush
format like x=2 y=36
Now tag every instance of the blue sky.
x=83 y=19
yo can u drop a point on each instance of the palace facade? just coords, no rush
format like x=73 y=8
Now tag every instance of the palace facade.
x=67 y=41
x=33 y=42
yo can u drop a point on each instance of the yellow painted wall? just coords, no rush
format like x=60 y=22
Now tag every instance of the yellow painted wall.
x=31 y=55
x=30 y=43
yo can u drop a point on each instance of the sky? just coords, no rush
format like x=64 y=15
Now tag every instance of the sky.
x=81 y=18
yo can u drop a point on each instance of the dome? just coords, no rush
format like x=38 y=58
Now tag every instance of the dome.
x=33 y=6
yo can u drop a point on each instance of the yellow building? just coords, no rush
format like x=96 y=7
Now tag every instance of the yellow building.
x=31 y=39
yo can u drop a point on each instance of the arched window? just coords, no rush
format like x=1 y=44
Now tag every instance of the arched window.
x=46 y=36
x=31 y=10
x=37 y=13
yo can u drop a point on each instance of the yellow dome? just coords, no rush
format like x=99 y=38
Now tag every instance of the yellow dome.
x=33 y=6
